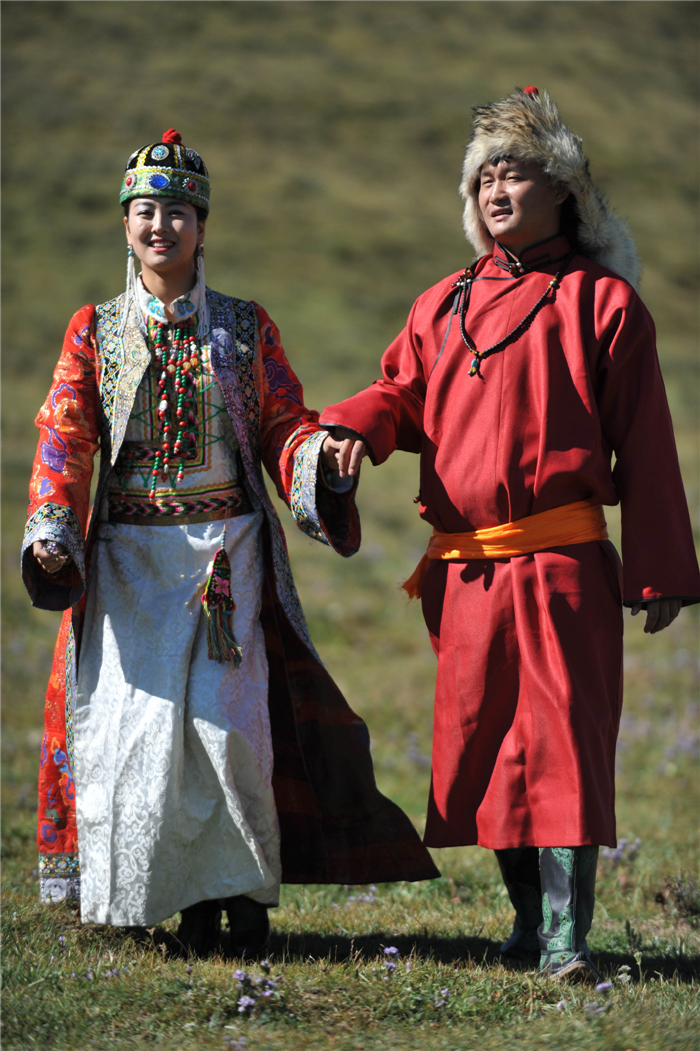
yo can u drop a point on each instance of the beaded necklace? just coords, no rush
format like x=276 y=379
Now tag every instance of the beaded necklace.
x=177 y=388
x=464 y=283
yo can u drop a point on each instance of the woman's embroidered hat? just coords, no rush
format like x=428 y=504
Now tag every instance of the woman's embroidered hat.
x=527 y=127
x=167 y=169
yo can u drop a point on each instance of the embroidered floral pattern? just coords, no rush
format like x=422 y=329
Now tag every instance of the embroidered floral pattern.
x=109 y=352
x=59 y=523
x=565 y=857
x=302 y=501
x=235 y=370
x=59 y=877
x=278 y=379
x=70 y=695
x=263 y=401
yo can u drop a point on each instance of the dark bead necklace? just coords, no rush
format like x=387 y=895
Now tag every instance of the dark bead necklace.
x=464 y=283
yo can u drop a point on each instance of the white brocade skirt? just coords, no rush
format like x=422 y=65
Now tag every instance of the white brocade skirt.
x=173 y=752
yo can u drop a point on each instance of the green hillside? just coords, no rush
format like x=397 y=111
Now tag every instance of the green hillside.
x=334 y=134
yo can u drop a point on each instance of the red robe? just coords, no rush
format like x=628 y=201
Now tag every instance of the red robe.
x=529 y=684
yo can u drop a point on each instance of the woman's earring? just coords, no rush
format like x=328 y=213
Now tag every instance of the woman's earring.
x=201 y=294
x=131 y=299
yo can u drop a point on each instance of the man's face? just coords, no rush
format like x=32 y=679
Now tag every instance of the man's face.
x=518 y=204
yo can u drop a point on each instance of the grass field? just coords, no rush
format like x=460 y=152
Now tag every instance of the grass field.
x=334 y=134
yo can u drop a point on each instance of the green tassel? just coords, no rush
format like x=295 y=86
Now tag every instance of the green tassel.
x=219 y=606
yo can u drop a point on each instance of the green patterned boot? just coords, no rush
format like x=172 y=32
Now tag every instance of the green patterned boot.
x=568 y=896
x=520 y=870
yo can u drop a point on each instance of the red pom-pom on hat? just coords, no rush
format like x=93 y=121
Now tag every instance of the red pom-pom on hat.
x=530 y=90
x=171 y=136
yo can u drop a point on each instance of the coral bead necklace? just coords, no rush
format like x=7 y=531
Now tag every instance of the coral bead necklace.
x=176 y=367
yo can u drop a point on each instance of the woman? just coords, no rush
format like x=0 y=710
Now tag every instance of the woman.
x=213 y=755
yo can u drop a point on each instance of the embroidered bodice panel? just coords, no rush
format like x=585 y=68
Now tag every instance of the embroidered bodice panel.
x=210 y=468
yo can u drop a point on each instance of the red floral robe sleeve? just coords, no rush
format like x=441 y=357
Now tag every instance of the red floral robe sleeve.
x=291 y=439
x=59 y=491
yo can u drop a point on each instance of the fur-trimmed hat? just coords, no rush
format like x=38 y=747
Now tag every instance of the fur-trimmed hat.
x=527 y=127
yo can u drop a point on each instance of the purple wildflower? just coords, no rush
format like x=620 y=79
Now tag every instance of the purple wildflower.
x=391 y=950
x=246 y=1003
x=240 y=976
x=52 y=959
x=602 y=986
x=408 y=965
x=61 y=941
x=390 y=966
x=624 y=851
x=561 y=1005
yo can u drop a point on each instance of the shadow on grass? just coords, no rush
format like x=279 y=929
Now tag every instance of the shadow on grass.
x=341 y=948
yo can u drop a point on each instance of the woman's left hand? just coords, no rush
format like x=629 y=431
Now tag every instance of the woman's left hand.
x=50 y=560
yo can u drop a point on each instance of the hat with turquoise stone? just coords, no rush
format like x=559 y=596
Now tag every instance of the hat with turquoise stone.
x=167 y=169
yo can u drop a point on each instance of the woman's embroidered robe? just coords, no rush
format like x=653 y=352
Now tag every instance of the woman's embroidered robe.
x=529 y=683
x=335 y=825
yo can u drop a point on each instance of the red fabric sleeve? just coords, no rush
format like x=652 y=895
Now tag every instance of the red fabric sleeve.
x=285 y=422
x=658 y=552
x=68 y=425
x=389 y=414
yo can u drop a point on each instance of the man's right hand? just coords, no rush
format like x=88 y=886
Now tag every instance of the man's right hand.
x=343 y=451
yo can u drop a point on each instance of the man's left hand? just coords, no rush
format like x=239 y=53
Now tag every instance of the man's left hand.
x=660 y=613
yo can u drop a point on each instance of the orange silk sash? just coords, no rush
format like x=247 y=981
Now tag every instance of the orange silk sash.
x=572 y=524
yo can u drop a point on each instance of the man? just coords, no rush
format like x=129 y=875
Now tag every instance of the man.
x=517 y=381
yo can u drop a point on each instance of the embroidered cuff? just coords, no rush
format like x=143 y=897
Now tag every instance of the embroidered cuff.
x=60 y=523
x=302 y=499
x=59 y=878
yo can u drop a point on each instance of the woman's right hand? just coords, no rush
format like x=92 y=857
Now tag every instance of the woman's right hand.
x=50 y=561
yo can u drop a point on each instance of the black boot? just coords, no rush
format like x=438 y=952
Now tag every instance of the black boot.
x=521 y=874
x=250 y=926
x=199 y=928
x=568 y=897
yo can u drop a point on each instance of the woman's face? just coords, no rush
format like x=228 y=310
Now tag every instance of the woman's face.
x=164 y=232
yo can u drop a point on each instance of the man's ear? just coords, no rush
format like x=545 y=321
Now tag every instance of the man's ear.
x=561 y=192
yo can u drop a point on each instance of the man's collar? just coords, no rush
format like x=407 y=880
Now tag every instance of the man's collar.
x=537 y=256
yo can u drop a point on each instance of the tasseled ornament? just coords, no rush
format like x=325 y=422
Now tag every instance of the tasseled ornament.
x=131 y=300
x=201 y=294
x=219 y=606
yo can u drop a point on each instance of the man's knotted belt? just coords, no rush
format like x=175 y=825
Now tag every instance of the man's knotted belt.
x=575 y=523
